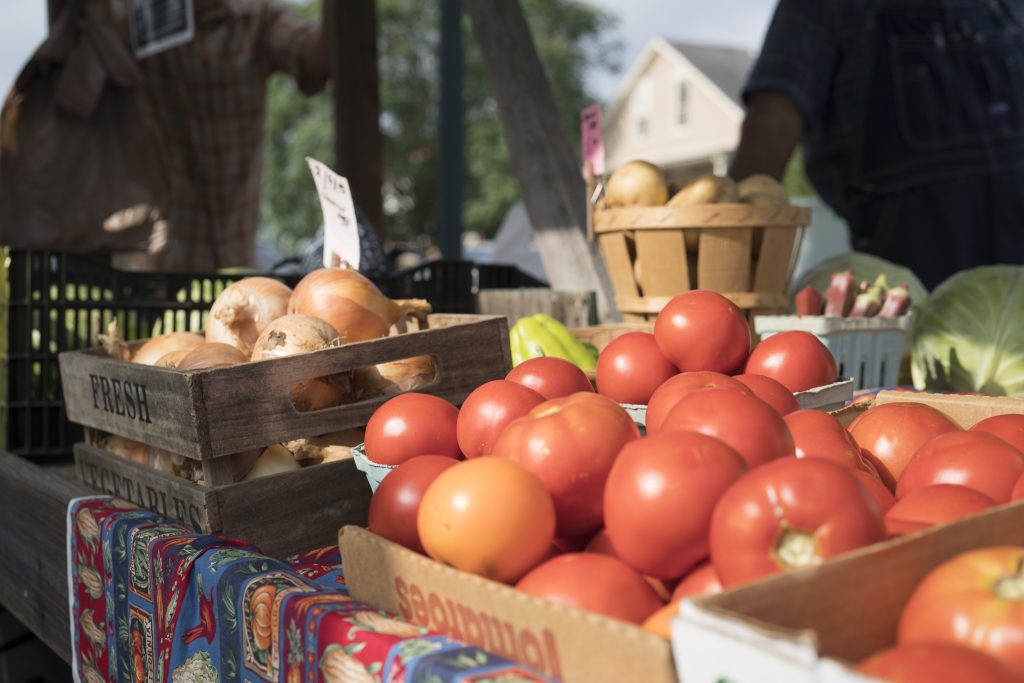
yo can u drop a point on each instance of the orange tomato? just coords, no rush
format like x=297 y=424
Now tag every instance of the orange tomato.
x=930 y=662
x=488 y=516
x=976 y=600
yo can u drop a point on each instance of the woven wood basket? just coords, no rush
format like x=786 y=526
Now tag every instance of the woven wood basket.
x=745 y=252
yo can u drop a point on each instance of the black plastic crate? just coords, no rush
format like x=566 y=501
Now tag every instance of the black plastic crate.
x=451 y=286
x=60 y=302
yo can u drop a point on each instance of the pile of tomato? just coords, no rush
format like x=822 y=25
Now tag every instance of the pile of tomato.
x=541 y=482
x=963 y=623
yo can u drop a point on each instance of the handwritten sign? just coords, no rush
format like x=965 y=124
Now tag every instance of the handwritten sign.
x=592 y=139
x=158 y=25
x=341 y=232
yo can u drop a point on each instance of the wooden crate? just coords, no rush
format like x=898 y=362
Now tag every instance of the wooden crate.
x=281 y=514
x=745 y=252
x=209 y=414
x=569 y=308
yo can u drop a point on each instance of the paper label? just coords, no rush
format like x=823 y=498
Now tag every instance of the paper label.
x=158 y=25
x=592 y=139
x=341 y=231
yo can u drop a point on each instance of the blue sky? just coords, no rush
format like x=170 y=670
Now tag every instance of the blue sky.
x=730 y=22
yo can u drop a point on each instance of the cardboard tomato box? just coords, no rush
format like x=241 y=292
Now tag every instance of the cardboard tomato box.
x=568 y=644
x=813 y=624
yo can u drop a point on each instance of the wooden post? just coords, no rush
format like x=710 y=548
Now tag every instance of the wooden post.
x=543 y=160
x=450 y=135
x=352 y=49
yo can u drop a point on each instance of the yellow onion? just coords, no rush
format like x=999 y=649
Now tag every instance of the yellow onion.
x=158 y=347
x=128 y=449
x=273 y=460
x=242 y=463
x=293 y=335
x=352 y=304
x=326 y=448
x=244 y=309
x=395 y=377
x=113 y=343
x=173 y=359
x=208 y=356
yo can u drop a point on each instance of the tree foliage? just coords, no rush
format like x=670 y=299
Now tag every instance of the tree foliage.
x=572 y=38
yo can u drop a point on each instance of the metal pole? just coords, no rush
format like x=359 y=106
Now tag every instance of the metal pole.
x=450 y=132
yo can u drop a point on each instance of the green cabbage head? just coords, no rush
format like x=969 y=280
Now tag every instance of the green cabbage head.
x=969 y=333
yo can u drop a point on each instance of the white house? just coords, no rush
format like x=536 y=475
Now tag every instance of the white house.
x=679 y=107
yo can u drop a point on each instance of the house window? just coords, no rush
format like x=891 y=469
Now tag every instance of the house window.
x=682 y=104
x=642 y=107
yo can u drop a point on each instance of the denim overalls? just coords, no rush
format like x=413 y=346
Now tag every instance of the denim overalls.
x=923 y=151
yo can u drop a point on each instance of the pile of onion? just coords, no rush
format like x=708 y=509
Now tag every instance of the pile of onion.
x=293 y=335
x=407 y=374
x=243 y=311
x=352 y=304
x=158 y=347
x=211 y=355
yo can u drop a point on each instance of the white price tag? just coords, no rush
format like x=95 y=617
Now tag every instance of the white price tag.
x=341 y=232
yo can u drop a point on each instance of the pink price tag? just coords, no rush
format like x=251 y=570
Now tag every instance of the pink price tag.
x=592 y=138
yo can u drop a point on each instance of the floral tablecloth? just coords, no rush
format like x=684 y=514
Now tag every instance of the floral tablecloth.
x=152 y=601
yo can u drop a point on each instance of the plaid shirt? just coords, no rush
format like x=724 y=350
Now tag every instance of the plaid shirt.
x=210 y=95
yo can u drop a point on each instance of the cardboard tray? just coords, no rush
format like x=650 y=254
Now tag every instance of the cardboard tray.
x=808 y=625
x=281 y=514
x=567 y=644
x=208 y=414
x=811 y=624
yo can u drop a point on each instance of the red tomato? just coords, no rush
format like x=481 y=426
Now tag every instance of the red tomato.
x=488 y=410
x=807 y=419
x=631 y=368
x=569 y=444
x=891 y=433
x=488 y=516
x=931 y=662
x=1018 y=490
x=977 y=460
x=701 y=581
x=1009 y=428
x=746 y=424
x=790 y=513
x=602 y=545
x=597 y=583
x=409 y=425
x=972 y=600
x=702 y=330
x=396 y=502
x=659 y=498
x=939 y=504
x=798 y=360
x=827 y=443
x=771 y=392
x=550 y=377
x=876 y=489
x=679 y=387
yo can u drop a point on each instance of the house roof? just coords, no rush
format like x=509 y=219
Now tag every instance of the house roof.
x=723 y=69
x=726 y=67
